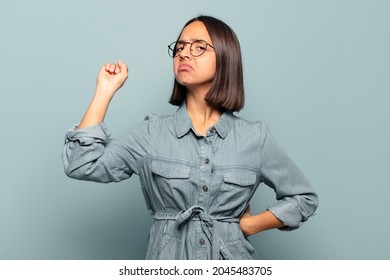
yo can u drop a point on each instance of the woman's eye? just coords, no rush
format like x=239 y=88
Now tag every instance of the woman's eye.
x=199 y=46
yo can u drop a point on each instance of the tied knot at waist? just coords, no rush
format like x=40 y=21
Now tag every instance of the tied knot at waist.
x=198 y=213
x=193 y=213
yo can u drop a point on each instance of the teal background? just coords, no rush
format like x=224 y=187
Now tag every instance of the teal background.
x=316 y=71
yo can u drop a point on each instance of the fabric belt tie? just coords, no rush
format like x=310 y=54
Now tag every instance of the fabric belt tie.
x=210 y=226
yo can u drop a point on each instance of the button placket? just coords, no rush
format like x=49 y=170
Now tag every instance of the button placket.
x=205 y=171
x=211 y=137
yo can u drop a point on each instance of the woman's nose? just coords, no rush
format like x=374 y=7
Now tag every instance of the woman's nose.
x=186 y=52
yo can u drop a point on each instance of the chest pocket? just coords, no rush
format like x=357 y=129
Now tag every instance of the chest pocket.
x=240 y=177
x=172 y=185
x=236 y=189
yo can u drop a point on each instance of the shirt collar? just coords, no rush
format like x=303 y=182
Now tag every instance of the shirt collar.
x=224 y=123
x=183 y=123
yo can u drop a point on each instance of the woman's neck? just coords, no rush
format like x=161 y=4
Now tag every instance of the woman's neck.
x=203 y=115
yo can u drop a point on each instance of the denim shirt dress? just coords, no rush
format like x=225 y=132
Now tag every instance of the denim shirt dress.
x=196 y=187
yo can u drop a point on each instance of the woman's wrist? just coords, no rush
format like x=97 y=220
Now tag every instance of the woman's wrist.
x=96 y=111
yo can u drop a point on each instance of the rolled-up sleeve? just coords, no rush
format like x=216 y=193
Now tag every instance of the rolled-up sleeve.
x=296 y=198
x=91 y=154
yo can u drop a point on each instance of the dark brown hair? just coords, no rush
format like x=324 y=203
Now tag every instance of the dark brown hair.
x=227 y=89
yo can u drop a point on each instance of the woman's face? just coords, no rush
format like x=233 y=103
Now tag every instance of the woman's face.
x=195 y=73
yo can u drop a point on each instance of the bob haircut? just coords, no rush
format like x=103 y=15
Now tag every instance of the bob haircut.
x=227 y=89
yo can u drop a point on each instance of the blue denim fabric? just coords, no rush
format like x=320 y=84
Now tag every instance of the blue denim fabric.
x=196 y=187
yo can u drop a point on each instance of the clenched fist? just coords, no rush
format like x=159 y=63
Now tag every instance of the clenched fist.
x=111 y=78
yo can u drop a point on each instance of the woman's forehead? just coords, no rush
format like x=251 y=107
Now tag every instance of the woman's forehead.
x=194 y=31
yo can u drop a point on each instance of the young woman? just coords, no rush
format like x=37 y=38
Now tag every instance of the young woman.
x=199 y=167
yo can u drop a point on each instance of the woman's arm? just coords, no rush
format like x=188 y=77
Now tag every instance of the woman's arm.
x=110 y=78
x=254 y=224
x=89 y=153
x=296 y=198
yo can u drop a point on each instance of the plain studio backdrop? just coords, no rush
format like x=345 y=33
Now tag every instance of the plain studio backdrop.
x=317 y=72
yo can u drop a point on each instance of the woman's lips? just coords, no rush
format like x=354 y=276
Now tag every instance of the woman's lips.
x=185 y=67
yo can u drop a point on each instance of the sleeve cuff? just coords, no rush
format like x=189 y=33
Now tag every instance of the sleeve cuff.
x=88 y=135
x=288 y=214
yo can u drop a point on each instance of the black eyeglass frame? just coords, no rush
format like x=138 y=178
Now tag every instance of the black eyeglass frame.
x=172 y=48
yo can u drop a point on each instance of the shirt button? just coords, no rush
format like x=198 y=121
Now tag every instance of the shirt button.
x=212 y=130
x=206 y=161
x=205 y=188
x=201 y=242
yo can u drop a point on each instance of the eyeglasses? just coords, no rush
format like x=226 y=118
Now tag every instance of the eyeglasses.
x=197 y=48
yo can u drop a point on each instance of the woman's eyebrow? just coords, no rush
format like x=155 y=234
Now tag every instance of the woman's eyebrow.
x=192 y=40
